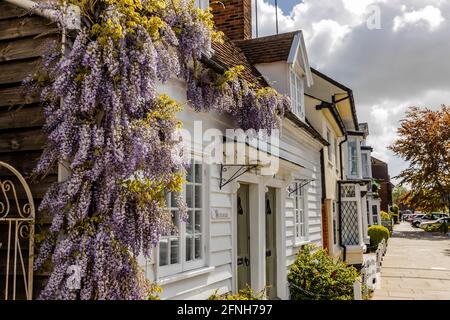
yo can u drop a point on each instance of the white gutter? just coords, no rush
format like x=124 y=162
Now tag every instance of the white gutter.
x=71 y=16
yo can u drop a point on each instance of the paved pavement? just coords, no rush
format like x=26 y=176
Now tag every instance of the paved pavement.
x=415 y=267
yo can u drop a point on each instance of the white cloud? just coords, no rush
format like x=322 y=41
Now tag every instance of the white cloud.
x=388 y=70
x=430 y=15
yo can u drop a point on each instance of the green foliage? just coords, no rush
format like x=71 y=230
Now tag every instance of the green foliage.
x=398 y=193
x=433 y=228
x=385 y=216
x=315 y=276
x=395 y=209
x=375 y=189
x=395 y=213
x=376 y=234
x=243 y=294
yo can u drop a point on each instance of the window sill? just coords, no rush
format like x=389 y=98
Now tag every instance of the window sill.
x=301 y=243
x=185 y=275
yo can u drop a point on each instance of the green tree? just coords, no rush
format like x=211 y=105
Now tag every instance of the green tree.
x=398 y=193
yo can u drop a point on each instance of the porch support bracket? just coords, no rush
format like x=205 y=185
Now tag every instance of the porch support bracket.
x=241 y=169
x=303 y=182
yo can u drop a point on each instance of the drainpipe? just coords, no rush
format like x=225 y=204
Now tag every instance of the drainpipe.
x=344 y=248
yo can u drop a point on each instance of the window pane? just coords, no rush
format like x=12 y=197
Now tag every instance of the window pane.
x=198 y=173
x=189 y=173
x=189 y=196
x=189 y=223
x=189 y=245
x=174 y=251
x=173 y=201
x=198 y=221
x=176 y=223
x=163 y=252
x=198 y=245
x=198 y=196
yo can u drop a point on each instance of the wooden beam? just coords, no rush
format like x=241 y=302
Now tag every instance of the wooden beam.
x=25 y=140
x=23 y=27
x=16 y=71
x=15 y=96
x=26 y=117
x=25 y=48
x=8 y=11
x=24 y=161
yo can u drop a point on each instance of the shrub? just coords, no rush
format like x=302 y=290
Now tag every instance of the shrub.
x=395 y=214
x=385 y=216
x=376 y=234
x=315 y=276
x=243 y=294
x=433 y=228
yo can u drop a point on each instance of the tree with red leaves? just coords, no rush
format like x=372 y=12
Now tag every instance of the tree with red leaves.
x=424 y=142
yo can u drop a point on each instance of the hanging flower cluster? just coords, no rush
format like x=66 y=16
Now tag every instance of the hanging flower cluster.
x=119 y=138
x=252 y=108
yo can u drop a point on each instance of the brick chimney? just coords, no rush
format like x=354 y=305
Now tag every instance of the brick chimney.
x=235 y=19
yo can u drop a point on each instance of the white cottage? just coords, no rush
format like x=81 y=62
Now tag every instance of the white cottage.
x=245 y=226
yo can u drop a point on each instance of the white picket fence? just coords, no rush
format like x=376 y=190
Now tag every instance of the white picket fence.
x=369 y=271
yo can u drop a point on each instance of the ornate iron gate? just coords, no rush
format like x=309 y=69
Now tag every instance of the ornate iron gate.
x=17 y=234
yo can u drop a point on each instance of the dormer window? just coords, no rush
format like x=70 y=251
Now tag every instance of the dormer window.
x=297 y=95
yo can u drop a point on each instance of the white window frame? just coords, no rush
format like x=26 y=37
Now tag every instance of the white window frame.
x=297 y=90
x=356 y=160
x=365 y=166
x=183 y=265
x=299 y=196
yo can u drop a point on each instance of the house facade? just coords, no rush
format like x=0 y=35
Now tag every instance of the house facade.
x=251 y=227
x=246 y=220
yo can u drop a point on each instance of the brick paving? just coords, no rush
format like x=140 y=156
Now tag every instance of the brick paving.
x=415 y=267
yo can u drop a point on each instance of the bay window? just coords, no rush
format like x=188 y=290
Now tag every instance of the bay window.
x=297 y=95
x=183 y=249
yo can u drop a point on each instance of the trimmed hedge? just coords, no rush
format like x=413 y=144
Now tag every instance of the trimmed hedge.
x=315 y=276
x=376 y=234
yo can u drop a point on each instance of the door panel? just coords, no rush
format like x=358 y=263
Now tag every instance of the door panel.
x=271 y=257
x=243 y=237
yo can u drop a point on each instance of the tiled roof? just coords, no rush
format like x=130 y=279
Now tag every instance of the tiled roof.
x=228 y=55
x=268 y=49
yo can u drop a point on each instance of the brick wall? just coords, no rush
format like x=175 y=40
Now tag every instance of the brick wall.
x=325 y=229
x=234 y=18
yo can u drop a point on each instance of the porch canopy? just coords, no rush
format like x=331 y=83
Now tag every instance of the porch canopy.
x=259 y=155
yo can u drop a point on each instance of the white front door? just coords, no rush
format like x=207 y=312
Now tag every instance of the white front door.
x=243 y=237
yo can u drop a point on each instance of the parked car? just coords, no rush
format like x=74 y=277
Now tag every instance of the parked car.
x=429 y=223
x=414 y=217
x=428 y=217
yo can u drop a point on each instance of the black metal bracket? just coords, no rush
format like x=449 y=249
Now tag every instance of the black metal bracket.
x=303 y=182
x=242 y=169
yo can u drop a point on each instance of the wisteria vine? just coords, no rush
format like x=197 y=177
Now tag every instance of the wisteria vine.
x=119 y=138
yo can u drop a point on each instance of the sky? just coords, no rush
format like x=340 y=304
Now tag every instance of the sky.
x=393 y=54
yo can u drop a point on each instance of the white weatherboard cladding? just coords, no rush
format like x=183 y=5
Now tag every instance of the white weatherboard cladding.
x=219 y=270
